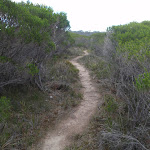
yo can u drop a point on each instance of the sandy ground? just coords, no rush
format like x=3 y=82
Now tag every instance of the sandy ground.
x=78 y=119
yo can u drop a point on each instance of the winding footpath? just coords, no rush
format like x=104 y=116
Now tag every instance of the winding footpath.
x=79 y=118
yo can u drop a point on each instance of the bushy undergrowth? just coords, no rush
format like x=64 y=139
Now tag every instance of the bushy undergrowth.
x=26 y=112
x=94 y=41
x=125 y=120
x=5 y=109
x=80 y=40
x=63 y=71
x=22 y=115
x=75 y=51
x=99 y=67
x=63 y=76
x=127 y=49
x=29 y=35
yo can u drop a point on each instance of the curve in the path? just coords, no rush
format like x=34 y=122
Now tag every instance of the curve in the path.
x=79 y=118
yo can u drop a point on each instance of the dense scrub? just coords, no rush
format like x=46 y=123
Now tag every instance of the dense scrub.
x=29 y=34
x=27 y=113
x=122 y=67
x=80 y=40
x=127 y=50
x=99 y=67
x=36 y=82
x=93 y=41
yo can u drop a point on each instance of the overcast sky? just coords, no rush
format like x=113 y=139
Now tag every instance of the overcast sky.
x=97 y=15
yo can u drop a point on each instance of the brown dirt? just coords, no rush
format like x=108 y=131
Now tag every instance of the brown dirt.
x=76 y=121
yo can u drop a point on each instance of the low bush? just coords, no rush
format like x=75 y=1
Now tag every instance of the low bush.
x=127 y=49
x=28 y=37
x=97 y=65
x=5 y=109
x=28 y=112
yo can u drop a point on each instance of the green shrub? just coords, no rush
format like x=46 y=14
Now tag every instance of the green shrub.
x=96 y=64
x=32 y=69
x=111 y=105
x=62 y=71
x=133 y=40
x=5 y=108
x=4 y=59
x=143 y=81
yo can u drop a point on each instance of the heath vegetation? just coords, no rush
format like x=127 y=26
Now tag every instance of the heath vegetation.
x=37 y=83
x=120 y=64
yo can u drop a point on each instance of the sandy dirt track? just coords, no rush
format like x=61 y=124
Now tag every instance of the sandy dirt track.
x=78 y=119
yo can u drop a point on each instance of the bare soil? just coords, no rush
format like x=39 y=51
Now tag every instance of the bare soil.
x=78 y=119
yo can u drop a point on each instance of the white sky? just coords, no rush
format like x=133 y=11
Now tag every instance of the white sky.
x=97 y=15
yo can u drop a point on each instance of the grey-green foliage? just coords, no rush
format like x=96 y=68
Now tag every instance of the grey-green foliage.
x=127 y=49
x=97 y=65
x=29 y=34
x=94 y=41
x=5 y=109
